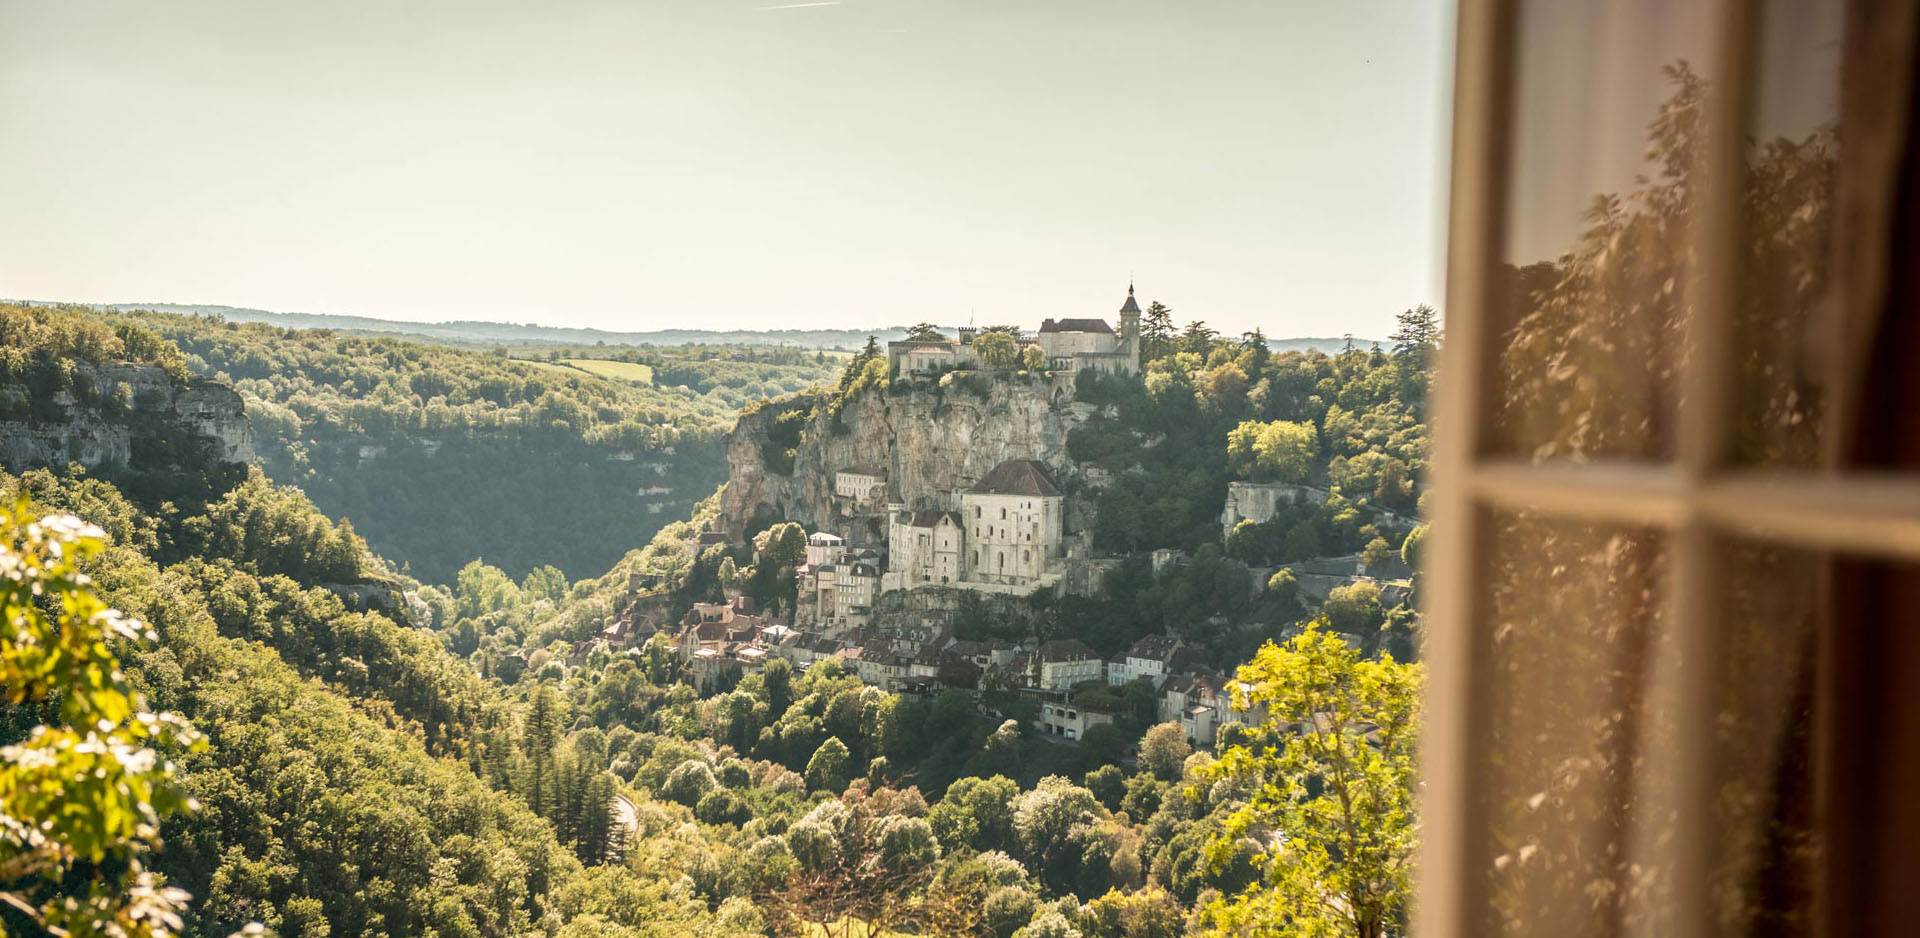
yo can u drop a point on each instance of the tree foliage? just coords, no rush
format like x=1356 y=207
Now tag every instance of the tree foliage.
x=81 y=797
x=1337 y=781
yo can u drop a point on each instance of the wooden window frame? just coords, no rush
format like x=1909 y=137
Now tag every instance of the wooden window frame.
x=1697 y=500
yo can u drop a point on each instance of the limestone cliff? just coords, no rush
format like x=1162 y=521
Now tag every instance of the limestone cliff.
x=119 y=416
x=926 y=439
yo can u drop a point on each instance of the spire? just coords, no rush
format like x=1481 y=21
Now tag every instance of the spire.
x=1130 y=306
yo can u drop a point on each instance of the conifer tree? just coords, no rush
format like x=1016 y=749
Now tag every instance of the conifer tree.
x=1156 y=332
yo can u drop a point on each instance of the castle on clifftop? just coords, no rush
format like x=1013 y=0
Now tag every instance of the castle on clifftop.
x=1070 y=346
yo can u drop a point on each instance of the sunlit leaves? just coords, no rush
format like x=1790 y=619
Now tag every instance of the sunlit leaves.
x=92 y=787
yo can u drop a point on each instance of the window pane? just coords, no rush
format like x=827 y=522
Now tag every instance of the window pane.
x=1786 y=316
x=1596 y=282
x=1763 y=876
x=1577 y=762
x=1573 y=617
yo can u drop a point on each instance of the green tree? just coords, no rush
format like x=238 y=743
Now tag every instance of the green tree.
x=1281 y=450
x=997 y=350
x=783 y=545
x=1375 y=555
x=1341 y=788
x=689 y=782
x=976 y=813
x=1164 y=751
x=925 y=332
x=545 y=582
x=1156 y=332
x=1199 y=339
x=1417 y=336
x=1033 y=358
x=92 y=782
x=539 y=738
x=1108 y=783
x=1410 y=548
x=827 y=770
x=1354 y=609
x=857 y=365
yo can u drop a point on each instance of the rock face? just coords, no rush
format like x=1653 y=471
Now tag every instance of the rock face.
x=928 y=441
x=124 y=405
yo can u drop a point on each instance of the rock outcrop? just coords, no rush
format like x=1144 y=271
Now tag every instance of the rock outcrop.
x=121 y=406
x=928 y=441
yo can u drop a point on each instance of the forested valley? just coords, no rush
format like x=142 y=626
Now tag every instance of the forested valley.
x=384 y=756
x=380 y=429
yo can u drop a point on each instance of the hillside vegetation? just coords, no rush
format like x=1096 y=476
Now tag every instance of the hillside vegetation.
x=440 y=455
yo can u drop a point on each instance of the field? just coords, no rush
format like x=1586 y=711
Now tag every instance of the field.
x=619 y=371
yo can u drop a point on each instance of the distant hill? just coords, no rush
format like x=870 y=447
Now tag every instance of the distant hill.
x=506 y=333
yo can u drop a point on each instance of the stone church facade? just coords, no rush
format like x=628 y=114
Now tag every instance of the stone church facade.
x=1006 y=534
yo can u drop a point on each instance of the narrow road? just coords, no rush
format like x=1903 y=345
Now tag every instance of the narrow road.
x=626 y=827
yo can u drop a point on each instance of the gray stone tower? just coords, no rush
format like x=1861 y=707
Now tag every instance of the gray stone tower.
x=1130 y=327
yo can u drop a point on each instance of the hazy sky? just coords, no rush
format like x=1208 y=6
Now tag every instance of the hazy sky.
x=730 y=163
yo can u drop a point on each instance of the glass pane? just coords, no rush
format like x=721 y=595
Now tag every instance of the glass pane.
x=1786 y=315
x=1578 y=759
x=1607 y=123
x=1763 y=877
x=1572 y=630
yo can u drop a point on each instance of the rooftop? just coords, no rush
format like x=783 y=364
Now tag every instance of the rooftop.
x=1018 y=477
x=930 y=517
x=1076 y=325
x=1068 y=649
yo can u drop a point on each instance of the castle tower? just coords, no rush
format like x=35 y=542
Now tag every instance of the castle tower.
x=1130 y=327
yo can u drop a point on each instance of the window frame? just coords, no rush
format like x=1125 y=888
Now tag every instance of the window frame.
x=1696 y=500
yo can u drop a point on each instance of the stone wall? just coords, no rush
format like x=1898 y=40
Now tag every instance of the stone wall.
x=101 y=435
x=929 y=440
x=1258 y=502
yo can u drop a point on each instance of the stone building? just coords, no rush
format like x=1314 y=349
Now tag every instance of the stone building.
x=1069 y=719
x=1070 y=345
x=1062 y=663
x=1082 y=344
x=923 y=549
x=1007 y=535
x=1259 y=502
x=1152 y=657
x=824 y=548
x=1014 y=524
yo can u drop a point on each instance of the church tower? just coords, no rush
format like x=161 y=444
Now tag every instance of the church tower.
x=1130 y=328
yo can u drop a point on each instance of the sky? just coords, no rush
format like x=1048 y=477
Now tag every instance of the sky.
x=746 y=164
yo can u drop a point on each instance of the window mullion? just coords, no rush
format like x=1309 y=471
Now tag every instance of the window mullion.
x=1687 y=683
x=1453 y=857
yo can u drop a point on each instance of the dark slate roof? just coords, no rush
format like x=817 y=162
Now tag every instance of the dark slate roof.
x=931 y=517
x=1075 y=325
x=1067 y=649
x=1130 y=306
x=1018 y=477
x=1159 y=646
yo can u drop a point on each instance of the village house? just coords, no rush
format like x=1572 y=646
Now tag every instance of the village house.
x=699 y=543
x=1062 y=663
x=1194 y=700
x=857 y=487
x=824 y=548
x=1068 y=719
x=1153 y=657
x=716 y=638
